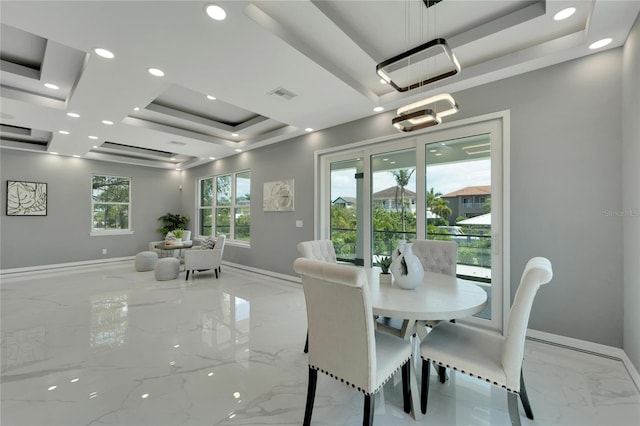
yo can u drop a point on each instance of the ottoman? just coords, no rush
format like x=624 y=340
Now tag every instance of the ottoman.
x=167 y=268
x=146 y=260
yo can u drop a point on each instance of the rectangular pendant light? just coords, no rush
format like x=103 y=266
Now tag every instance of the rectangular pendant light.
x=412 y=62
x=416 y=120
x=424 y=113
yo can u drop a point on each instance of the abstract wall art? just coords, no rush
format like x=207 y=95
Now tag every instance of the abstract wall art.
x=278 y=196
x=26 y=198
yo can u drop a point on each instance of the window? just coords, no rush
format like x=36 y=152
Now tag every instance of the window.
x=110 y=205
x=224 y=206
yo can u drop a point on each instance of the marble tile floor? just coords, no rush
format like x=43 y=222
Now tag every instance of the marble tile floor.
x=106 y=345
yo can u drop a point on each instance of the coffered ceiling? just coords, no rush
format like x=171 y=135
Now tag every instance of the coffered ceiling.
x=275 y=68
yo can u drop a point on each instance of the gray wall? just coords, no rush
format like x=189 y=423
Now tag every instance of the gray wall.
x=631 y=193
x=63 y=235
x=566 y=154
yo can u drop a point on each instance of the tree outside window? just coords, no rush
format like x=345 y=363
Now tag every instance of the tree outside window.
x=111 y=202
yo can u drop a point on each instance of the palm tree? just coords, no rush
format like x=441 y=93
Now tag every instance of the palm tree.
x=402 y=177
x=437 y=205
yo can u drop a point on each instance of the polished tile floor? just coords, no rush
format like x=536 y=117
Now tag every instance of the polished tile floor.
x=111 y=346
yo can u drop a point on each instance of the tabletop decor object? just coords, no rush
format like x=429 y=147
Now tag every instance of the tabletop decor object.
x=385 y=275
x=406 y=268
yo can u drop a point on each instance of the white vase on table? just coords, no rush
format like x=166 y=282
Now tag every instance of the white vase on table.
x=407 y=269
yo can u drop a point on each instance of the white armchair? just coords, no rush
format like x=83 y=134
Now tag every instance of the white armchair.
x=437 y=256
x=204 y=259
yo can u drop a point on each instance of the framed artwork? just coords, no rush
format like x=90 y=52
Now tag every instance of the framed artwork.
x=26 y=198
x=278 y=196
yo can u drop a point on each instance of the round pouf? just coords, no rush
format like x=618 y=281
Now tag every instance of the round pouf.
x=146 y=260
x=167 y=268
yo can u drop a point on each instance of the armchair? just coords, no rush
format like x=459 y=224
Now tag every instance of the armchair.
x=204 y=259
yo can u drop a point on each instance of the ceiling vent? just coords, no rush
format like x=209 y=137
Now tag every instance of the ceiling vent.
x=178 y=143
x=282 y=93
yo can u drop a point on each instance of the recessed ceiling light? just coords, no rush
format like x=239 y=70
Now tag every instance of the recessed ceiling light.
x=51 y=86
x=156 y=72
x=53 y=153
x=216 y=12
x=179 y=170
x=107 y=122
x=73 y=114
x=95 y=147
x=136 y=109
x=63 y=132
x=235 y=134
x=238 y=150
x=564 y=13
x=211 y=98
x=75 y=156
x=600 y=43
x=104 y=53
x=93 y=137
x=212 y=158
x=383 y=81
x=173 y=158
x=308 y=129
x=378 y=109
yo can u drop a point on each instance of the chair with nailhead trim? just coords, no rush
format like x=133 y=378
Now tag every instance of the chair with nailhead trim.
x=493 y=358
x=343 y=342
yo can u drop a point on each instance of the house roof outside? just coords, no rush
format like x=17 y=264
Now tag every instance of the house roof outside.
x=346 y=200
x=469 y=190
x=391 y=192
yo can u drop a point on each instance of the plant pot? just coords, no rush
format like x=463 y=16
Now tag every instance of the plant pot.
x=385 y=279
x=186 y=235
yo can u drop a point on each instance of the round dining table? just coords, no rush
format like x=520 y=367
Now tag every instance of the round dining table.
x=438 y=297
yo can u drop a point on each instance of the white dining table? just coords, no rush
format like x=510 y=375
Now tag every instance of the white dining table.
x=439 y=297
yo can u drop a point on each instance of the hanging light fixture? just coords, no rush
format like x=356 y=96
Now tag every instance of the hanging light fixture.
x=430 y=111
x=412 y=59
x=424 y=113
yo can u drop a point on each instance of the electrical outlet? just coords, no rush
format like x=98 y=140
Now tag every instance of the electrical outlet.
x=104 y=251
x=298 y=224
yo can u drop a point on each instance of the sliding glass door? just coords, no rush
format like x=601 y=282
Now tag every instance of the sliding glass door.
x=444 y=185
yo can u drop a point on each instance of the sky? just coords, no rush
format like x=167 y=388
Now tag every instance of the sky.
x=444 y=178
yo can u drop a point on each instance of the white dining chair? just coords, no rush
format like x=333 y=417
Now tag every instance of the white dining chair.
x=437 y=256
x=343 y=342
x=321 y=250
x=493 y=358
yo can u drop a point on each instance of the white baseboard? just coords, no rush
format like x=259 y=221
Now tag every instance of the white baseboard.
x=291 y=278
x=588 y=347
x=52 y=267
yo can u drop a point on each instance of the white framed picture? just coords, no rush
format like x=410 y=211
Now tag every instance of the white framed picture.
x=278 y=196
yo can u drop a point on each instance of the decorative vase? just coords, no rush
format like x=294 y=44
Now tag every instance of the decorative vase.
x=398 y=251
x=385 y=279
x=406 y=269
x=186 y=235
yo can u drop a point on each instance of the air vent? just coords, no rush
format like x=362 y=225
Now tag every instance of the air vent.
x=282 y=93
x=178 y=143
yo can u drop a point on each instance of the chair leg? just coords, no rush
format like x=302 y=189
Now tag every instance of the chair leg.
x=311 y=395
x=512 y=402
x=406 y=392
x=306 y=344
x=216 y=273
x=524 y=398
x=424 y=392
x=187 y=275
x=368 y=410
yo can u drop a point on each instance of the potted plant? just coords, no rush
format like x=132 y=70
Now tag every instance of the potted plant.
x=171 y=222
x=385 y=264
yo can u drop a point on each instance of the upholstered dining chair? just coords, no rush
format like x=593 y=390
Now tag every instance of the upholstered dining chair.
x=343 y=342
x=204 y=259
x=321 y=250
x=437 y=256
x=493 y=358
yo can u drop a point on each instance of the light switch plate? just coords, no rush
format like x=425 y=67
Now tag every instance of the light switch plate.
x=298 y=224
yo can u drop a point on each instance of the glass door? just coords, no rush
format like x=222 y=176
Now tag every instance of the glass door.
x=346 y=209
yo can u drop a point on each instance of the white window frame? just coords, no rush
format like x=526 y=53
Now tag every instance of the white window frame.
x=100 y=232
x=214 y=205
